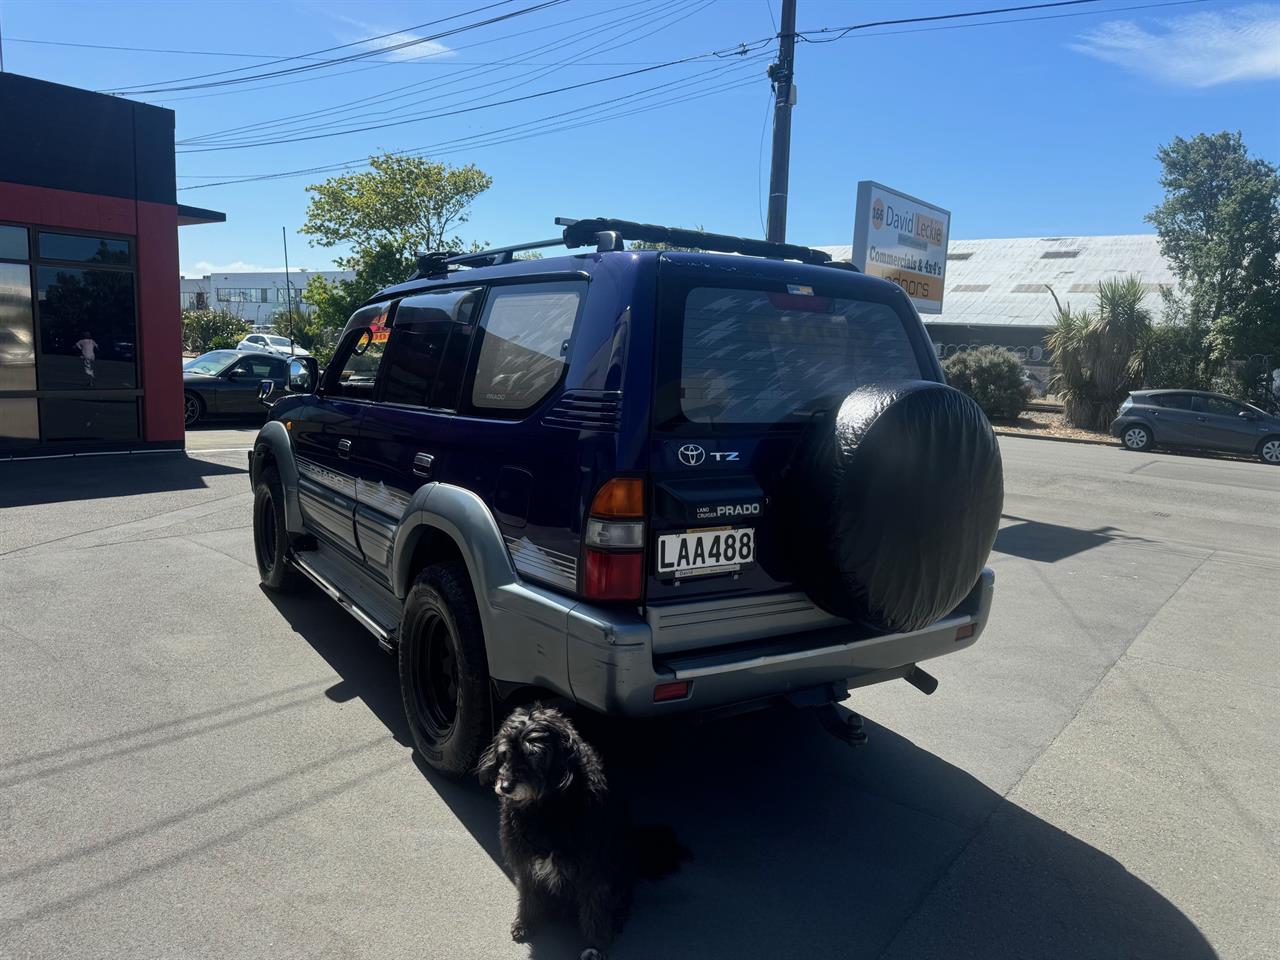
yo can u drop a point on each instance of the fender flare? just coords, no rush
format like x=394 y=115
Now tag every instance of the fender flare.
x=465 y=519
x=273 y=439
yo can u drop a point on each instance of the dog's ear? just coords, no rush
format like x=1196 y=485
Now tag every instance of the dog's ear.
x=581 y=760
x=487 y=767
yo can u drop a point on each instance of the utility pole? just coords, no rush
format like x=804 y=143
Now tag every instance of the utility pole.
x=288 y=287
x=782 y=73
x=1 y=49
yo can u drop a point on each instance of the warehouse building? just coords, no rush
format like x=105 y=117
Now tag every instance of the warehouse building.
x=256 y=298
x=998 y=291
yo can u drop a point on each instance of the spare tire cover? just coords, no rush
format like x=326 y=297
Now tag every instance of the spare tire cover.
x=890 y=506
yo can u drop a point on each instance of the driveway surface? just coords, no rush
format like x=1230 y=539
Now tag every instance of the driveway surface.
x=192 y=768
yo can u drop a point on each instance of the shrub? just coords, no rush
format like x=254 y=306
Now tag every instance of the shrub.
x=992 y=376
x=204 y=330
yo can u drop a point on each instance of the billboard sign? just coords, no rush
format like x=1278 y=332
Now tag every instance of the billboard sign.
x=902 y=239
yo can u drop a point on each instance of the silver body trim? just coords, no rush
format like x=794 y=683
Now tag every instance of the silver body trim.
x=540 y=563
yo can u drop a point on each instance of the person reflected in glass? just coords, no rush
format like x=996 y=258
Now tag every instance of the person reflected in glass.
x=88 y=348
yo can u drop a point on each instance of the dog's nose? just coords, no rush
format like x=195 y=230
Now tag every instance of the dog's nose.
x=505 y=786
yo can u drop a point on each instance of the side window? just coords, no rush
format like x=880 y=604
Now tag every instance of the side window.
x=524 y=343
x=257 y=368
x=354 y=370
x=1222 y=408
x=1175 y=401
x=427 y=352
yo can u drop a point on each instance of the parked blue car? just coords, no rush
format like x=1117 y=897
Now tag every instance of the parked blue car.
x=1194 y=418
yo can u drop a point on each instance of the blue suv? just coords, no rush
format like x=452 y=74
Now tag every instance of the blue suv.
x=718 y=473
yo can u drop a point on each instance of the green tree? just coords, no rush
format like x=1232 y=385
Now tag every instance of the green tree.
x=408 y=204
x=992 y=376
x=1095 y=355
x=1219 y=226
x=206 y=329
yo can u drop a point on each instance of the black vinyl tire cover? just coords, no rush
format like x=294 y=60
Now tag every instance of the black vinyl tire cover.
x=891 y=504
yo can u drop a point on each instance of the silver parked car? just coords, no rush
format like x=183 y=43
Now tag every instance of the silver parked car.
x=1193 y=418
x=270 y=343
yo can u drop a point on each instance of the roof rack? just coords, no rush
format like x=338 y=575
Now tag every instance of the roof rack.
x=607 y=234
x=579 y=233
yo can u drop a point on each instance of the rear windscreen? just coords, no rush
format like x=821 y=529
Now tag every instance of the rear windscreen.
x=755 y=356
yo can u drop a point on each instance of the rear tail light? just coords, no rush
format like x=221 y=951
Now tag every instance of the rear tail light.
x=613 y=542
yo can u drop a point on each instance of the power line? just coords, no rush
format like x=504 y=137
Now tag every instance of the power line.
x=362 y=104
x=180 y=85
x=1051 y=16
x=739 y=50
x=578 y=18
x=842 y=32
x=415 y=61
x=594 y=113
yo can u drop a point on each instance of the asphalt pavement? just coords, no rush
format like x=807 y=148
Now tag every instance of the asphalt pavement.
x=190 y=767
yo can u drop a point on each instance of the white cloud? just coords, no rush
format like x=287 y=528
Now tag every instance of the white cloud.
x=1198 y=50
x=204 y=267
x=431 y=48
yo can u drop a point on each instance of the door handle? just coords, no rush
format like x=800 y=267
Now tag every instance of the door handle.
x=422 y=464
x=344 y=448
x=1200 y=419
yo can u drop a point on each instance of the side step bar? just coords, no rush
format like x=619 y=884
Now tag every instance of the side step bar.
x=386 y=639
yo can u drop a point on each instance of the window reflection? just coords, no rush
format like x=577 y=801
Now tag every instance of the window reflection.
x=62 y=246
x=17 y=344
x=88 y=334
x=13 y=242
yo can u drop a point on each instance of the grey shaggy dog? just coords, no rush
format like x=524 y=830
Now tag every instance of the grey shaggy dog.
x=567 y=840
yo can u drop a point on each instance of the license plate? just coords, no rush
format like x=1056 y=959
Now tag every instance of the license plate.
x=699 y=552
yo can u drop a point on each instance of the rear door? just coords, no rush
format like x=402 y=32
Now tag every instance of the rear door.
x=743 y=365
x=1172 y=418
x=409 y=436
x=325 y=431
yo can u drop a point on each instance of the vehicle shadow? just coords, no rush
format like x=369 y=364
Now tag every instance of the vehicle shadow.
x=803 y=847
x=1051 y=542
x=30 y=482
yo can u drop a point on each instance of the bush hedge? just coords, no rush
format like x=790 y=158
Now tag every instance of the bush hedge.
x=992 y=376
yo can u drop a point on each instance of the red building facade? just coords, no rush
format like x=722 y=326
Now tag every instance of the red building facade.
x=90 y=325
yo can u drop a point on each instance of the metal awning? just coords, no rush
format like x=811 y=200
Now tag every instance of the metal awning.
x=189 y=215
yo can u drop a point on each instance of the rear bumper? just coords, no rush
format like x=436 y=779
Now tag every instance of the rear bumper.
x=613 y=668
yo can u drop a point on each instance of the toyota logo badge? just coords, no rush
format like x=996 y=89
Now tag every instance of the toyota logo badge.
x=691 y=454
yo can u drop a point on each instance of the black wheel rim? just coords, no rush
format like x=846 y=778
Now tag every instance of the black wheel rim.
x=265 y=533
x=191 y=409
x=434 y=663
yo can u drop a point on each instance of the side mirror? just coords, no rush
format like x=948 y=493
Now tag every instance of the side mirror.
x=233 y=375
x=265 y=389
x=304 y=374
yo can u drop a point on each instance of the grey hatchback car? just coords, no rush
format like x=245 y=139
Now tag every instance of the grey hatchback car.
x=1193 y=418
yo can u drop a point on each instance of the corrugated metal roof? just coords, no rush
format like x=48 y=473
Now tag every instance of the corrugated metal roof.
x=1002 y=282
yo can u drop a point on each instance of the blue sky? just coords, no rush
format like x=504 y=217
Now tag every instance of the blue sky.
x=1037 y=128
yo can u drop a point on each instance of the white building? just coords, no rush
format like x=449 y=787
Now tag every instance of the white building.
x=997 y=291
x=256 y=297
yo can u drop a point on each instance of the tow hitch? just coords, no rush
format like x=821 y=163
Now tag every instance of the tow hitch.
x=842 y=723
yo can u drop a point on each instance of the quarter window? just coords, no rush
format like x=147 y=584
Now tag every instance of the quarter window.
x=428 y=348
x=524 y=344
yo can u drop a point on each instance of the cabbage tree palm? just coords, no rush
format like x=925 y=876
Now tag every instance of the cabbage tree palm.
x=1096 y=355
